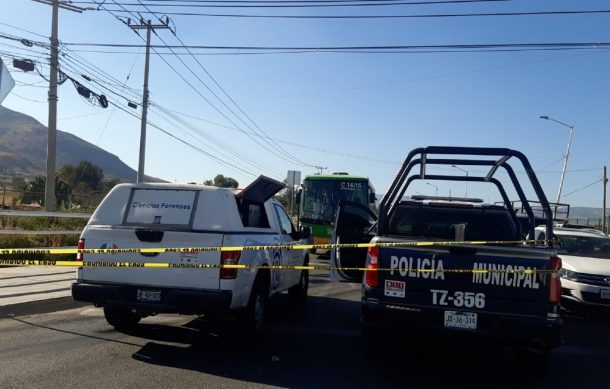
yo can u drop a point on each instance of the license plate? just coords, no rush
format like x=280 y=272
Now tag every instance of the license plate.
x=605 y=294
x=461 y=320
x=149 y=295
x=394 y=288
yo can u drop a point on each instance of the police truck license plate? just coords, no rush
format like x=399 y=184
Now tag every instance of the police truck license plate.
x=461 y=320
x=149 y=295
x=605 y=294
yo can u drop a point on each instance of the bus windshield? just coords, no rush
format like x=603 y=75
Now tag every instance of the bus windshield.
x=321 y=197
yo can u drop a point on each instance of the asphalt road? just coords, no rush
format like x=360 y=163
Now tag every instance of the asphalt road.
x=317 y=345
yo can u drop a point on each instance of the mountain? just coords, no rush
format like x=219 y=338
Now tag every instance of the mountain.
x=23 y=148
x=587 y=212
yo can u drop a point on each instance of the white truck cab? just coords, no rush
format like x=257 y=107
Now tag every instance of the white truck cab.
x=153 y=215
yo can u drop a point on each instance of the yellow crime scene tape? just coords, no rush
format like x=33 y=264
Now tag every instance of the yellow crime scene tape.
x=159 y=250
x=167 y=265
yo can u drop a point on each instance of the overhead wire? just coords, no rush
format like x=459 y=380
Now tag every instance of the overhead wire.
x=332 y=152
x=387 y=16
x=294 y=4
x=239 y=108
x=581 y=189
x=220 y=100
x=565 y=45
x=100 y=82
x=247 y=158
x=168 y=133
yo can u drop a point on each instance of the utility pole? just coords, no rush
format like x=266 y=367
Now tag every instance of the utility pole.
x=605 y=182
x=566 y=156
x=149 y=29
x=321 y=168
x=49 y=189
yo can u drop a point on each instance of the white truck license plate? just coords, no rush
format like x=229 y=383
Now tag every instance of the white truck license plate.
x=605 y=294
x=149 y=295
x=461 y=320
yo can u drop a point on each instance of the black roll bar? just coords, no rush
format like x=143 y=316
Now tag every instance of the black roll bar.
x=400 y=183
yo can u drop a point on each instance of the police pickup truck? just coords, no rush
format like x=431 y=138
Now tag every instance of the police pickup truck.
x=136 y=217
x=482 y=279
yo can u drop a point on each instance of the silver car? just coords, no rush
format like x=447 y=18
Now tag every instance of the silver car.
x=585 y=275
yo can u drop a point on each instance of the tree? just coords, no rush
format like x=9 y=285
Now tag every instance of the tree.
x=86 y=173
x=81 y=185
x=222 y=182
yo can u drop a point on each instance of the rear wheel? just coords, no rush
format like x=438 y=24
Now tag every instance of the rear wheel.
x=372 y=341
x=121 y=318
x=251 y=321
x=298 y=293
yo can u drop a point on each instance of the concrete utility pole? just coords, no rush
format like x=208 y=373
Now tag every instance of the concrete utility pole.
x=149 y=29
x=49 y=190
x=605 y=182
x=567 y=155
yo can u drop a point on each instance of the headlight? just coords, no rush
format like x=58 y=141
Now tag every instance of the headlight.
x=568 y=274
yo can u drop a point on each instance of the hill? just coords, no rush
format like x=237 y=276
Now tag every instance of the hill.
x=23 y=147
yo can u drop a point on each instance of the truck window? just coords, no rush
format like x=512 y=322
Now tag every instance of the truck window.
x=285 y=222
x=453 y=223
x=160 y=207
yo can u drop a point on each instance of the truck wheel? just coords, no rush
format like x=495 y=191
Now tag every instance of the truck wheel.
x=536 y=358
x=298 y=293
x=372 y=340
x=121 y=318
x=252 y=320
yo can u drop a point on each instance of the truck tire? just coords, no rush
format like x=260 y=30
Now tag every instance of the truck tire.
x=251 y=321
x=372 y=341
x=121 y=318
x=298 y=293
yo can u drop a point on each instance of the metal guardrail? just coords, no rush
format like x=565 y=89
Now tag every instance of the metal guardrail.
x=45 y=214
x=33 y=232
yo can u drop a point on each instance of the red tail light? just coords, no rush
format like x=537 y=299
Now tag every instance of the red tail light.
x=555 y=284
x=229 y=258
x=371 y=274
x=79 y=255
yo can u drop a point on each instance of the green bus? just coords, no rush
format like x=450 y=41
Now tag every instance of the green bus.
x=320 y=198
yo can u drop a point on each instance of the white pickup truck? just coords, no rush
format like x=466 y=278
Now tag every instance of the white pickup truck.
x=153 y=215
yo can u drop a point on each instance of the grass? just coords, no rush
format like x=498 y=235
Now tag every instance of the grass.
x=33 y=240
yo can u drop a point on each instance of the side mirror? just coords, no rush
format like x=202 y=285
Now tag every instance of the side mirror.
x=372 y=198
x=305 y=232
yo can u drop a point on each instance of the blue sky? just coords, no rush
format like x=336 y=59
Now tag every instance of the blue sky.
x=366 y=110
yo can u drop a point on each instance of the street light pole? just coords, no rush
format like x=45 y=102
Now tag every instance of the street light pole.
x=466 y=183
x=435 y=187
x=567 y=155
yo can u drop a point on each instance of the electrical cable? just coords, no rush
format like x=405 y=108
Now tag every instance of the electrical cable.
x=297 y=160
x=281 y=4
x=396 y=16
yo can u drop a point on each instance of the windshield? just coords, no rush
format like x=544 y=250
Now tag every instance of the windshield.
x=585 y=246
x=321 y=197
x=448 y=223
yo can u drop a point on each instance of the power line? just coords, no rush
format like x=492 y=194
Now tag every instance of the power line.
x=332 y=152
x=565 y=45
x=297 y=160
x=307 y=1
x=294 y=4
x=397 y=16
x=583 y=188
x=271 y=150
x=248 y=160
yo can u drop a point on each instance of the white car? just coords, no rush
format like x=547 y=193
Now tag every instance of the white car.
x=585 y=273
x=152 y=215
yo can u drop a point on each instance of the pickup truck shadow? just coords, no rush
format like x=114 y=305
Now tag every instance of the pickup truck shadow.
x=320 y=345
